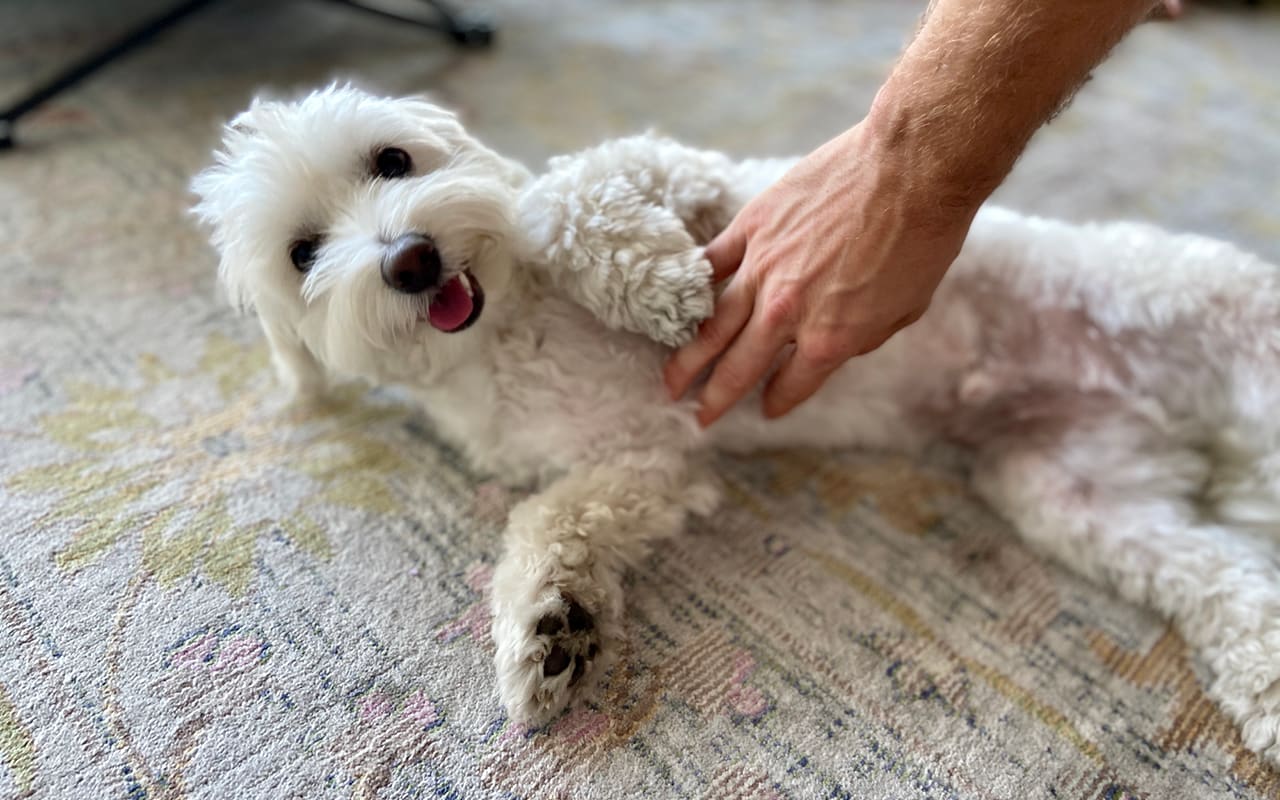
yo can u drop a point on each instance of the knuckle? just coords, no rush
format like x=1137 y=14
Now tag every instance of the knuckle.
x=825 y=350
x=781 y=306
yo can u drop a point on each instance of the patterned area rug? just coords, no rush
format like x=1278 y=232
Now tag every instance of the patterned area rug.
x=206 y=593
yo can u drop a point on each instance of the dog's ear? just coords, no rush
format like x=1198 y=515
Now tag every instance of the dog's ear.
x=219 y=191
x=214 y=189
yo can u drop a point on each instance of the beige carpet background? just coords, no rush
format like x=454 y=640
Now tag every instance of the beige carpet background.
x=205 y=593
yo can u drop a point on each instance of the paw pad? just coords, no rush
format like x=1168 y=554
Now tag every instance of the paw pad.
x=573 y=640
x=579 y=619
x=555 y=661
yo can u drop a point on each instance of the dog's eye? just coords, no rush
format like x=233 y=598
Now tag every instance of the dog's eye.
x=392 y=162
x=303 y=253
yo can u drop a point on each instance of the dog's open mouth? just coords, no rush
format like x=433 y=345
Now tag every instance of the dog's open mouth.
x=455 y=305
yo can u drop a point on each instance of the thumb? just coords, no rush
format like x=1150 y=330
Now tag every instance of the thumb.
x=726 y=251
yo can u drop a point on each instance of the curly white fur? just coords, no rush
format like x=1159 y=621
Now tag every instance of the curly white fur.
x=1116 y=382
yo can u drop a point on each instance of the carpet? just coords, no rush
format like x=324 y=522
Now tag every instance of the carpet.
x=205 y=592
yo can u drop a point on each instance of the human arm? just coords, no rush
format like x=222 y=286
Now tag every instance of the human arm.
x=848 y=247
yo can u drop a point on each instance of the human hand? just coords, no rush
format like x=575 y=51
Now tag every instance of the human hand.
x=828 y=263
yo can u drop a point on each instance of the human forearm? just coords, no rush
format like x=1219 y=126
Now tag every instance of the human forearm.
x=980 y=78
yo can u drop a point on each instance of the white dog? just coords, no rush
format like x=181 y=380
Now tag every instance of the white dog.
x=1118 y=384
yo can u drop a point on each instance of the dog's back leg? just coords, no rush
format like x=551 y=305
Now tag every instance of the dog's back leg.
x=1121 y=501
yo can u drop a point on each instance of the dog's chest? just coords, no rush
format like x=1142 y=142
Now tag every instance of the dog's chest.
x=560 y=389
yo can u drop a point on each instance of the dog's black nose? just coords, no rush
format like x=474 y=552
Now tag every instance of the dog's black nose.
x=412 y=264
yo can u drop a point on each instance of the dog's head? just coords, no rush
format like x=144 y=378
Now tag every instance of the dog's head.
x=368 y=233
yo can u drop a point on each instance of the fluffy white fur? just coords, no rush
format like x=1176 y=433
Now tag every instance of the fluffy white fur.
x=1117 y=383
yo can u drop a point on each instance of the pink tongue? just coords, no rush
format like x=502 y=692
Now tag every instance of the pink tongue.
x=451 y=306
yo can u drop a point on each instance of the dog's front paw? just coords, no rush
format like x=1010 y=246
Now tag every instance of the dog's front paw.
x=547 y=655
x=675 y=296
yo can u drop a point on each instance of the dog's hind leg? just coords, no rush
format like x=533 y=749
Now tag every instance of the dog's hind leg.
x=1120 y=501
x=557 y=592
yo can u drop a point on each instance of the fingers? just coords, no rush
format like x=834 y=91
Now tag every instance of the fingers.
x=816 y=356
x=740 y=369
x=796 y=381
x=726 y=252
x=733 y=309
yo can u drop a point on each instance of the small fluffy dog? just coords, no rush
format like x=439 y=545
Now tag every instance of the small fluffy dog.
x=1116 y=383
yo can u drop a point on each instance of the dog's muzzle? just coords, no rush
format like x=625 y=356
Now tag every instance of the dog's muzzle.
x=412 y=266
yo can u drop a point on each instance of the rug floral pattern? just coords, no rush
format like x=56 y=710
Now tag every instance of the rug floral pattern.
x=207 y=592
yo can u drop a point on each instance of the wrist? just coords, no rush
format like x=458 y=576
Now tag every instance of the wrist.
x=936 y=165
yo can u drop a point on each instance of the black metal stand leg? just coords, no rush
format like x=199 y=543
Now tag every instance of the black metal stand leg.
x=78 y=72
x=462 y=29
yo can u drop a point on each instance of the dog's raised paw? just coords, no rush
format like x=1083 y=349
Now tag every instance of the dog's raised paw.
x=678 y=296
